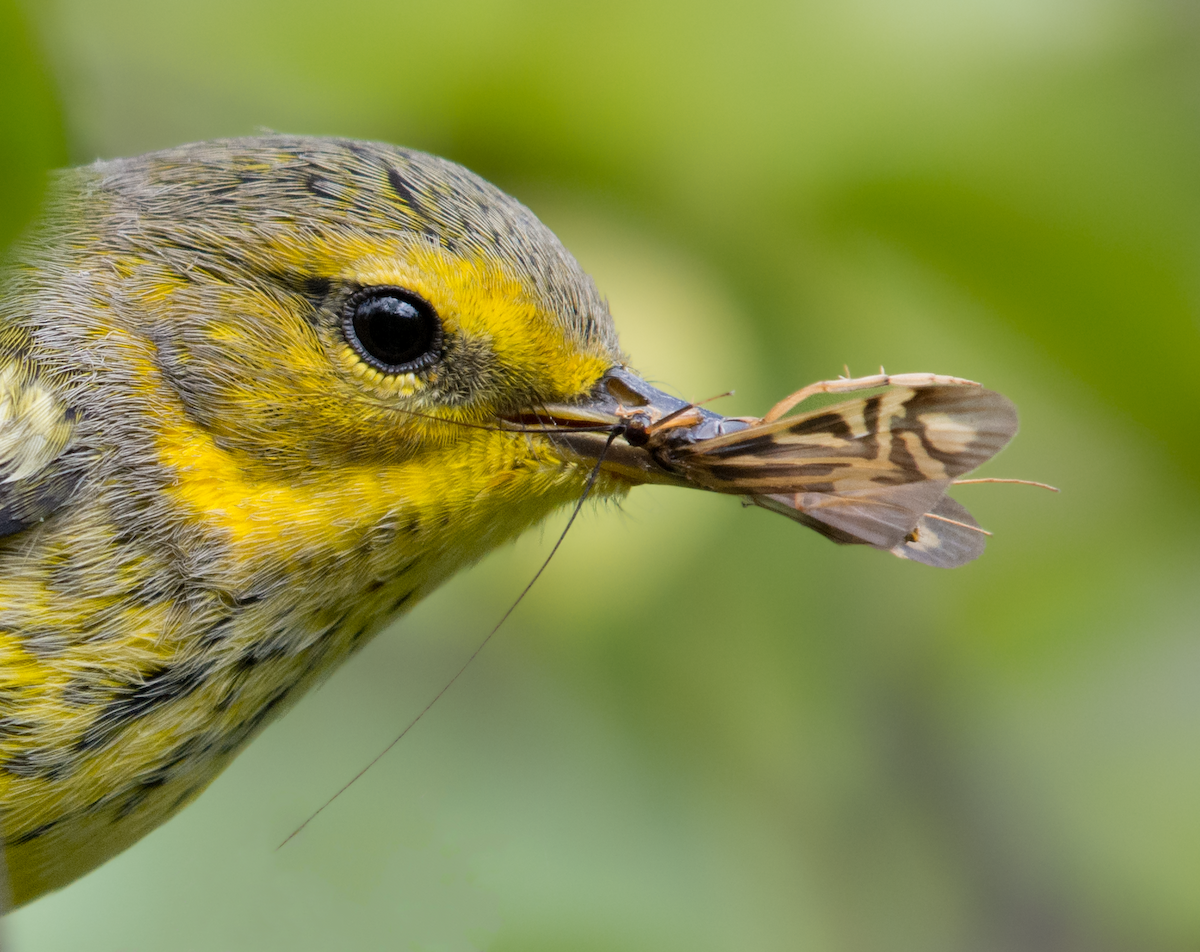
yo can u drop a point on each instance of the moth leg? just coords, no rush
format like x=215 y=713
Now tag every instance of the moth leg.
x=844 y=385
x=647 y=428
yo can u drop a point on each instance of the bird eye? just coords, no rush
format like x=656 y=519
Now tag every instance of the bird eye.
x=394 y=330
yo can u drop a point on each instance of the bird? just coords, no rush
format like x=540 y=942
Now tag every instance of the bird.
x=260 y=396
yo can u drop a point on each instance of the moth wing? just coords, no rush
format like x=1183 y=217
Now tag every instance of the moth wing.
x=942 y=544
x=879 y=517
x=36 y=428
x=902 y=435
x=868 y=471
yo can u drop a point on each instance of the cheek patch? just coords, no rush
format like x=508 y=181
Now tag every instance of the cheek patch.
x=469 y=372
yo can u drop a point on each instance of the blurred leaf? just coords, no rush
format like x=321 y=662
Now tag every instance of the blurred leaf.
x=31 y=132
x=1116 y=314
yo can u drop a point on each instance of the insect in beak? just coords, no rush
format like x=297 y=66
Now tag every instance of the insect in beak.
x=872 y=469
x=623 y=401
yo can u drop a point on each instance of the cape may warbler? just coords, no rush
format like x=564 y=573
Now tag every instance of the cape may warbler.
x=259 y=396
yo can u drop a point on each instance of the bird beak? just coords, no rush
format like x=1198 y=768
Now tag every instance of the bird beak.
x=622 y=399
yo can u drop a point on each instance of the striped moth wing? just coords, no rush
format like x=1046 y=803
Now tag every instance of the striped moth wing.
x=872 y=470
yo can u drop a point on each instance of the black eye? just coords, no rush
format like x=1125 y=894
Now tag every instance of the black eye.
x=394 y=330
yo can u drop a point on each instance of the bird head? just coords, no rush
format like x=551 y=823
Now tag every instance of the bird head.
x=314 y=341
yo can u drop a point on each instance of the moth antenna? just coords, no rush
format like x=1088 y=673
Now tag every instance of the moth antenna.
x=719 y=396
x=587 y=490
x=1022 y=482
x=955 y=522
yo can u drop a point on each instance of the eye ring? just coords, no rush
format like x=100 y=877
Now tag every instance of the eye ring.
x=392 y=329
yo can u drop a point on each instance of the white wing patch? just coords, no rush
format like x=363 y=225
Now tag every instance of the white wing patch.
x=35 y=425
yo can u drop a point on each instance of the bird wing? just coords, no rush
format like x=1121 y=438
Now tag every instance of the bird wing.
x=36 y=427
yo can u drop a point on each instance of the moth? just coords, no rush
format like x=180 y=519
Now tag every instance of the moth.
x=870 y=470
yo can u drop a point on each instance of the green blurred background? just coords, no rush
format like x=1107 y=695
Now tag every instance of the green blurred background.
x=708 y=729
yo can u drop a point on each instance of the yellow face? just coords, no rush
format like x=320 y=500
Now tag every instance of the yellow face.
x=329 y=349
x=304 y=424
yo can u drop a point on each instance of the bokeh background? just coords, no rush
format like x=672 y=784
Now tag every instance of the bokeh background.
x=708 y=729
